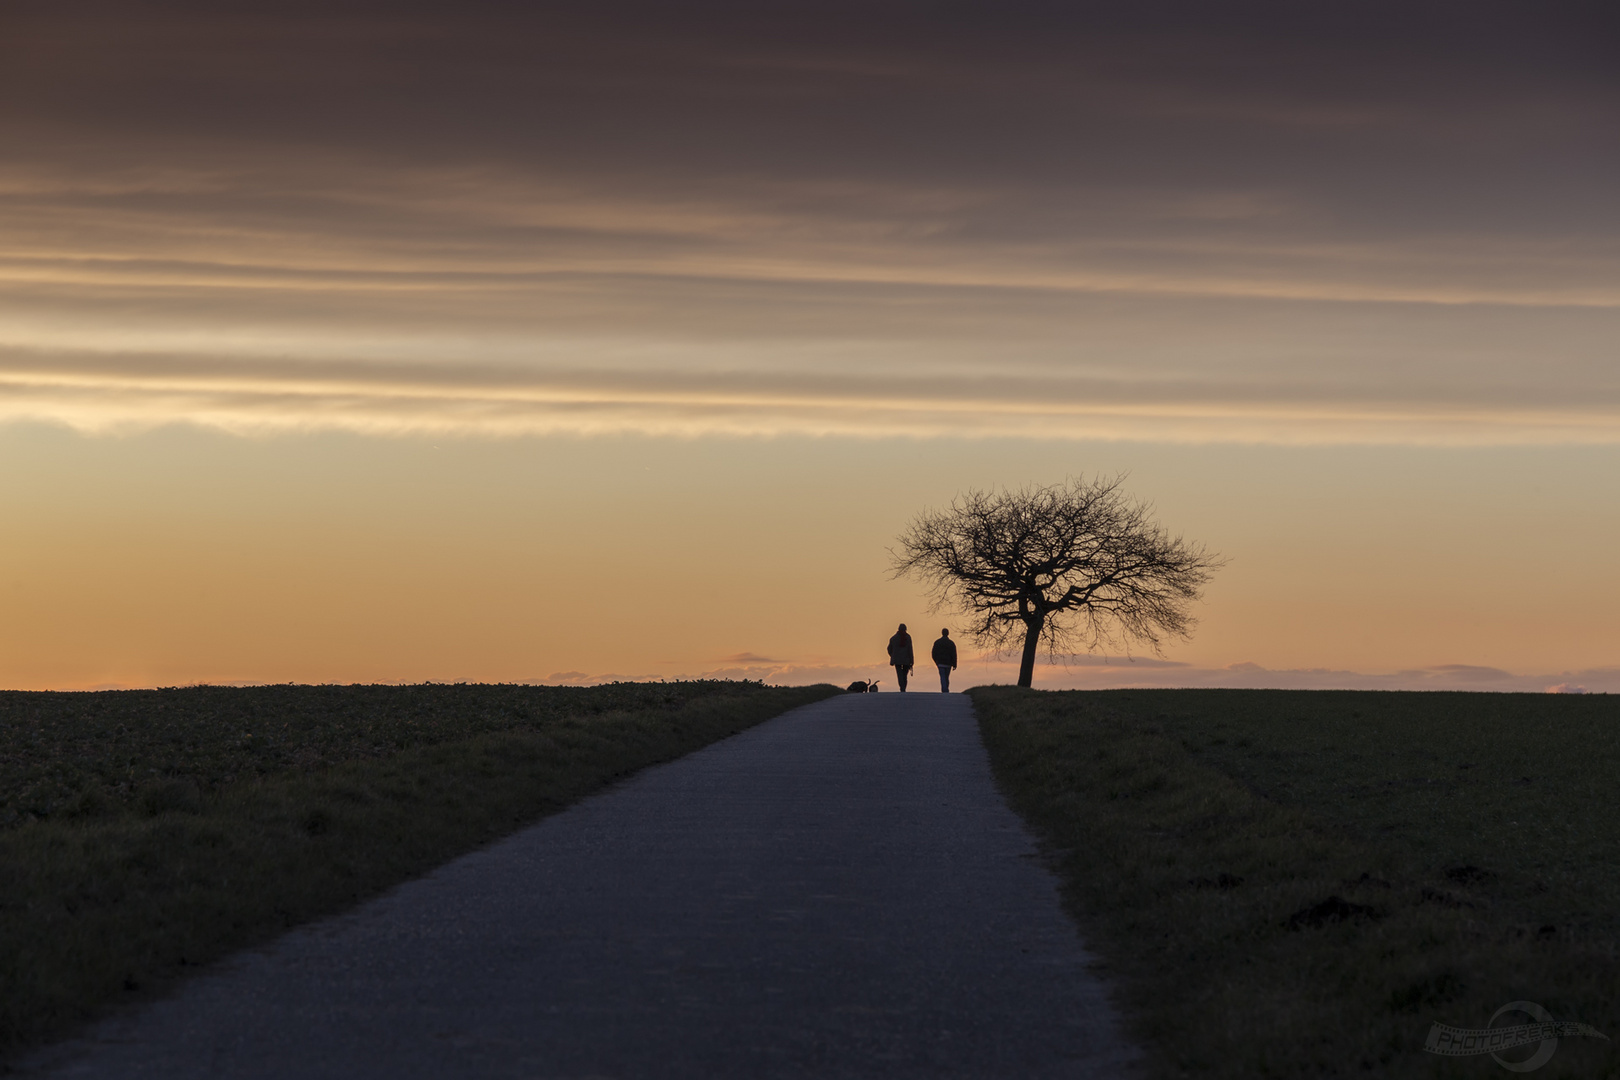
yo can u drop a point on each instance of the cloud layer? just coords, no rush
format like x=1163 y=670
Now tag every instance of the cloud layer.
x=1278 y=224
x=100 y=392
x=1103 y=673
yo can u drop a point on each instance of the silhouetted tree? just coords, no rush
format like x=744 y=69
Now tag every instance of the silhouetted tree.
x=1079 y=564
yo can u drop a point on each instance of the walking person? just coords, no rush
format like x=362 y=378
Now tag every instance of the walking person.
x=901 y=657
x=945 y=659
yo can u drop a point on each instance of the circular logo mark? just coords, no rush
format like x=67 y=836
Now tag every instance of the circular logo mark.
x=1545 y=1049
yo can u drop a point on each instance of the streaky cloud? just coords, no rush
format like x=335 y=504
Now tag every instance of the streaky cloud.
x=1168 y=675
x=98 y=393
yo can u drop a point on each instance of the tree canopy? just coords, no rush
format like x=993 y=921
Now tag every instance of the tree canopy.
x=1079 y=564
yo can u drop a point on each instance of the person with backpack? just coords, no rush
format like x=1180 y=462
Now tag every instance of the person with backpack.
x=945 y=660
x=901 y=657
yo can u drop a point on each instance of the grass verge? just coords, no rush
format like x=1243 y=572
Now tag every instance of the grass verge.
x=1287 y=884
x=145 y=832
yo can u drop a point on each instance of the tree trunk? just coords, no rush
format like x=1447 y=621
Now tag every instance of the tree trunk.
x=1032 y=641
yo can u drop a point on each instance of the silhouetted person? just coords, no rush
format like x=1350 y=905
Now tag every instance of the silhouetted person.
x=945 y=658
x=900 y=656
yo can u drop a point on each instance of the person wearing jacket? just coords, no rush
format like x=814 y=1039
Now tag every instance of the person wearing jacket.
x=945 y=660
x=901 y=657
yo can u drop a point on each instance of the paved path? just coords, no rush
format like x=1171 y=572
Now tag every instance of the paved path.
x=839 y=892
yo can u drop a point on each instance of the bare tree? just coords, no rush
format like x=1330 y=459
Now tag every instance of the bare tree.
x=1078 y=564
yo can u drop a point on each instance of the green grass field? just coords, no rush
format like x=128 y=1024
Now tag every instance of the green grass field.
x=1289 y=884
x=146 y=832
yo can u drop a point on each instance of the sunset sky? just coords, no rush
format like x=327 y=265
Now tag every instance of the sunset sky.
x=558 y=342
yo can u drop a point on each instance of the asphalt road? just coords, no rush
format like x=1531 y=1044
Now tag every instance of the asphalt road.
x=839 y=892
